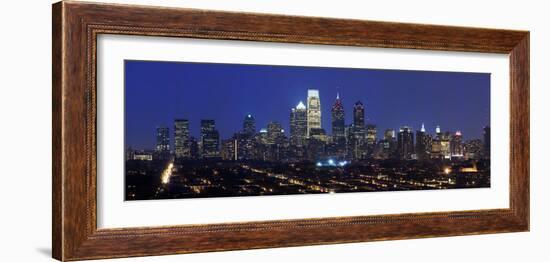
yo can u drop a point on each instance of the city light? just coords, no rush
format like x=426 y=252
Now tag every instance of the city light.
x=331 y=163
x=447 y=170
x=167 y=173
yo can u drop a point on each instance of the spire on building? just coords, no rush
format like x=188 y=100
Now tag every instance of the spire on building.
x=301 y=105
x=422 y=129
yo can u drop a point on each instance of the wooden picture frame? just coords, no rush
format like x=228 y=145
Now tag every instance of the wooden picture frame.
x=76 y=26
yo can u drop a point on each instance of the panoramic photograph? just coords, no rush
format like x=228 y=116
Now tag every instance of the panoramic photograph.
x=201 y=130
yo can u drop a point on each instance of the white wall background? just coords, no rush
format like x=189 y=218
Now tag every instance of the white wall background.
x=25 y=130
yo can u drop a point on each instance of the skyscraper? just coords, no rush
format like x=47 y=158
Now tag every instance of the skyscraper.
x=193 y=147
x=359 y=114
x=163 y=142
x=337 y=146
x=405 y=143
x=338 y=124
x=210 y=139
x=357 y=135
x=244 y=147
x=313 y=110
x=446 y=145
x=163 y=139
x=182 y=146
x=181 y=138
x=298 y=125
x=275 y=133
x=389 y=134
x=441 y=144
x=371 y=133
x=249 y=125
x=229 y=149
x=423 y=144
x=272 y=143
x=388 y=144
x=457 y=148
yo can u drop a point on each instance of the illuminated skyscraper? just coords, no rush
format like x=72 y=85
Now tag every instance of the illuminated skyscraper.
x=441 y=144
x=271 y=143
x=371 y=133
x=457 y=148
x=359 y=115
x=275 y=133
x=388 y=145
x=313 y=110
x=181 y=138
x=405 y=143
x=163 y=142
x=163 y=139
x=298 y=125
x=357 y=135
x=446 y=145
x=262 y=136
x=389 y=134
x=423 y=145
x=210 y=139
x=244 y=146
x=338 y=124
x=249 y=125
x=337 y=146
x=229 y=149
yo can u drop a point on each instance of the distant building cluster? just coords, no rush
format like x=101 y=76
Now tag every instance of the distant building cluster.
x=308 y=141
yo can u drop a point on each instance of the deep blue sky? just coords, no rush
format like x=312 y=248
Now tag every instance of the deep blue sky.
x=158 y=92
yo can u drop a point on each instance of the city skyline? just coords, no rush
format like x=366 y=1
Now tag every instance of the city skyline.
x=249 y=127
x=141 y=137
x=247 y=130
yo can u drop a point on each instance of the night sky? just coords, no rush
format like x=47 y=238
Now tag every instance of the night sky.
x=158 y=92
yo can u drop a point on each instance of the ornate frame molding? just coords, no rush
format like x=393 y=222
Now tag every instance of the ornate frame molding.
x=76 y=26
